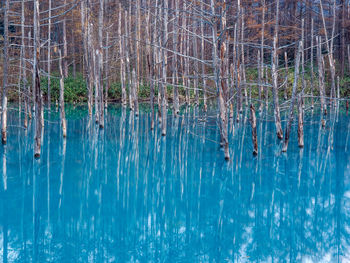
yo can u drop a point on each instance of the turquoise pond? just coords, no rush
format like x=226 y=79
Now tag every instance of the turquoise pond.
x=127 y=194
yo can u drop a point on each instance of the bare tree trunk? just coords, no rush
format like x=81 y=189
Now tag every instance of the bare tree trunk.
x=286 y=76
x=62 y=111
x=300 y=122
x=108 y=82
x=65 y=46
x=293 y=99
x=24 y=65
x=127 y=46
x=134 y=93
x=275 y=78
x=262 y=54
x=321 y=76
x=138 y=46
x=164 y=67
x=122 y=55
x=330 y=46
x=244 y=80
x=175 y=58
x=254 y=132
x=303 y=58
x=48 y=57
x=312 y=63
x=204 y=79
x=36 y=82
x=100 y=89
x=5 y=72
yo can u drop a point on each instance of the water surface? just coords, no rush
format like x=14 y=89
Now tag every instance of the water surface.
x=127 y=194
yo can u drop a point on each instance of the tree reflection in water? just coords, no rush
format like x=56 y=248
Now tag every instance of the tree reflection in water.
x=126 y=193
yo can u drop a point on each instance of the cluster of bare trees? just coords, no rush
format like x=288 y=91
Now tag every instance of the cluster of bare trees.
x=186 y=52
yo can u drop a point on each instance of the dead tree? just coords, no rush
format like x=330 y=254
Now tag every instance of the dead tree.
x=5 y=72
x=300 y=122
x=293 y=99
x=274 y=59
x=286 y=76
x=176 y=58
x=122 y=55
x=254 y=132
x=330 y=46
x=49 y=56
x=36 y=82
x=312 y=63
x=65 y=45
x=62 y=111
x=321 y=76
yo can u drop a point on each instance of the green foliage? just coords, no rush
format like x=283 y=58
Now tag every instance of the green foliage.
x=74 y=88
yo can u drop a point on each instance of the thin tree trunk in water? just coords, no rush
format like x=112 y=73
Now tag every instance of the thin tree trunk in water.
x=5 y=72
x=243 y=61
x=312 y=63
x=196 y=68
x=300 y=122
x=134 y=93
x=24 y=65
x=90 y=55
x=100 y=63
x=222 y=103
x=204 y=80
x=62 y=111
x=121 y=54
x=303 y=59
x=329 y=47
x=96 y=61
x=286 y=76
x=321 y=76
x=222 y=88
x=254 y=132
x=48 y=57
x=100 y=88
x=107 y=72
x=153 y=61
x=65 y=46
x=127 y=48
x=138 y=46
x=164 y=67
x=262 y=55
x=175 y=58
x=292 y=103
x=278 y=125
x=36 y=82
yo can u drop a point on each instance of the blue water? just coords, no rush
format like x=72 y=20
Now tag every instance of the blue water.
x=127 y=194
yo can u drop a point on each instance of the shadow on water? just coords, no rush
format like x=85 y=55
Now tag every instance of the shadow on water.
x=126 y=193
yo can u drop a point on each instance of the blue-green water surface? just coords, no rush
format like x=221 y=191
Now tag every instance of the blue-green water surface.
x=127 y=194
